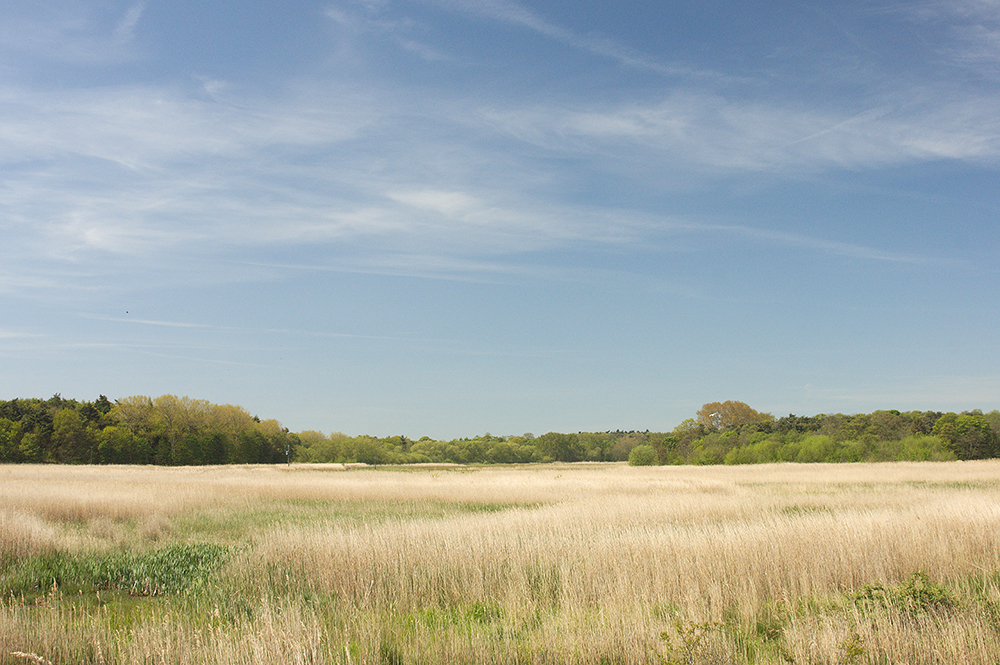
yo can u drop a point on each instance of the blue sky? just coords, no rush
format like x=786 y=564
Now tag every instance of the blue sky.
x=449 y=217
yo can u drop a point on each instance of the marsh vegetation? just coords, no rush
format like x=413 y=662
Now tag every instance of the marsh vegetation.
x=558 y=563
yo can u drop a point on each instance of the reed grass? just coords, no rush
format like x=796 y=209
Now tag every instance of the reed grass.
x=537 y=564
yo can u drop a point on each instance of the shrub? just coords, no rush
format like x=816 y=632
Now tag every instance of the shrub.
x=917 y=595
x=643 y=455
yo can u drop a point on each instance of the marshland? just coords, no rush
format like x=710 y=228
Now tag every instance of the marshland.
x=556 y=563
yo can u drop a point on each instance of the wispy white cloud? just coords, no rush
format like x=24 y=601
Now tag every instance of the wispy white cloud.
x=461 y=268
x=708 y=131
x=433 y=265
x=125 y=29
x=144 y=126
x=513 y=13
x=972 y=28
x=19 y=278
x=823 y=245
x=159 y=172
x=425 y=51
x=364 y=19
x=974 y=11
x=151 y=322
x=635 y=231
x=76 y=33
x=182 y=177
x=443 y=202
x=15 y=334
x=981 y=45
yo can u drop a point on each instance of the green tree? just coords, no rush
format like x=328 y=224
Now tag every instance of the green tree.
x=597 y=446
x=103 y=405
x=251 y=446
x=501 y=452
x=30 y=447
x=560 y=447
x=889 y=425
x=801 y=424
x=665 y=446
x=135 y=413
x=969 y=436
x=627 y=441
x=214 y=448
x=35 y=418
x=993 y=418
x=118 y=445
x=173 y=415
x=816 y=448
x=187 y=451
x=10 y=440
x=89 y=413
x=688 y=431
x=922 y=422
x=71 y=440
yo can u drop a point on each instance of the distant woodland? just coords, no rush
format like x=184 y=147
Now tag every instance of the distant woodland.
x=170 y=430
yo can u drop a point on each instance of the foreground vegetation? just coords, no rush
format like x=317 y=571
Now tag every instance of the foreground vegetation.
x=181 y=431
x=562 y=563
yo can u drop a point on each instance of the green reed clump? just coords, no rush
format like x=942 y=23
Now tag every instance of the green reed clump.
x=915 y=596
x=150 y=573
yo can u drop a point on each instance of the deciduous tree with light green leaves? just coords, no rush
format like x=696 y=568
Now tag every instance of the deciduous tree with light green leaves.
x=723 y=415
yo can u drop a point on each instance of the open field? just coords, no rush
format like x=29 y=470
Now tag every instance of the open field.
x=881 y=563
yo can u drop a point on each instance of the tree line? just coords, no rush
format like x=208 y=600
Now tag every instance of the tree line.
x=748 y=437
x=172 y=430
x=736 y=435
x=166 y=430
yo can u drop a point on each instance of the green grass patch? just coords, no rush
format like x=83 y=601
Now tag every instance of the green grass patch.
x=230 y=526
x=915 y=596
x=797 y=510
x=151 y=573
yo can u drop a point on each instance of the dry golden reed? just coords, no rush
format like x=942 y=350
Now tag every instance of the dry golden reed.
x=22 y=534
x=537 y=564
x=700 y=544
